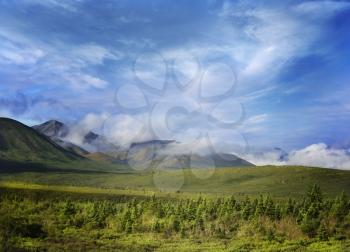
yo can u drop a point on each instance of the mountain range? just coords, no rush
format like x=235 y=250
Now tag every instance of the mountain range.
x=50 y=141
x=19 y=142
x=60 y=133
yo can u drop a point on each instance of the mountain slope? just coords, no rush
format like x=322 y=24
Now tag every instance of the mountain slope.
x=152 y=152
x=101 y=157
x=52 y=129
x=71 y=147
x=19 y=142
x=59 y=133
x=160 y=152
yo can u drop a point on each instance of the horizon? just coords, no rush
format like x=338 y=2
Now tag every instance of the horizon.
x=245 y=78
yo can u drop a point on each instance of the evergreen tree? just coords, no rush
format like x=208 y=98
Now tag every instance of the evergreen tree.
x=314 y=195
x=290 y=207
x=269 y=207
x=176 y=225
x=260 y=207
x=340 y=207
x=129 y=227
x=310 y=221
x=246 y=212
x=156 y=227
x=323 y=233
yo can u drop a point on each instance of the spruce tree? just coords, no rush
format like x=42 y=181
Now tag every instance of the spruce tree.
x=323 y=233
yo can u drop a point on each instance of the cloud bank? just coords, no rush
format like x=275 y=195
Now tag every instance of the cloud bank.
x=315 y=155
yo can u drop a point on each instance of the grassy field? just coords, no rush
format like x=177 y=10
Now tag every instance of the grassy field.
x=66 y=218
x=278 y=181
x=112 y=208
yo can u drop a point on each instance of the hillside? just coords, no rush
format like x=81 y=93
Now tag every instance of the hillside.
x=52 y=128
x=19 y=142
x=161 y=153
x=278 y=181
x=101 y=157
x=149 y=153
x=22 y=146
x=59 y=133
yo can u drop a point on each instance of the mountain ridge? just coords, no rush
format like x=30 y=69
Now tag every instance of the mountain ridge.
x=59 y=132
x=155 y=152
x=22 y=143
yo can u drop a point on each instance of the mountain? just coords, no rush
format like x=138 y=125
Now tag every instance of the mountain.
x=59 y=132
x=71 y=147
x=146 y=153
x=97 y=143
x=19 y=142
x=152 y=143
x=101 y=157
x=56 y=131
x=200 y=161
x=228 y=160
x=161 y=153
x=282 y=154
x=90 y=137
x=52 y=129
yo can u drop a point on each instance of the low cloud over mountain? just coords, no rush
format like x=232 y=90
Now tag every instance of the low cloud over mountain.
x=318 y=155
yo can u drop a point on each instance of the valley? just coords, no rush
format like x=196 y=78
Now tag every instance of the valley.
x=98 y=201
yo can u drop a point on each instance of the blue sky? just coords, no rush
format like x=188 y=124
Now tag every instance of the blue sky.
x=270 y=73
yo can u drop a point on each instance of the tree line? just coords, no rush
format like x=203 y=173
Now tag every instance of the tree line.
x=313 y=216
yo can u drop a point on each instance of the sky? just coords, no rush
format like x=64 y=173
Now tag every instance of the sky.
x=247 y=75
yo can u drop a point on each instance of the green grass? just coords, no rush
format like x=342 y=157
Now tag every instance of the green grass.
x=44 y=205
x=278 y=181
x=19 y=142
x=73 y=238
x=154 y=242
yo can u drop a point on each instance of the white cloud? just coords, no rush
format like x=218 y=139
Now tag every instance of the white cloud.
x=270 y=157
x=321 y=9
x=120 y=130
x=279 y=36
x=315 y=155
x=83 y=81
x=254 y=124
x=94 y=54
x=67 y=5
x=321 y=156
x=89 y=123
x=123 y=130
x=150 y=69
x=20 y=55
x=268 y=37
x=257 y=119
x=17 y=52
x=55 y=62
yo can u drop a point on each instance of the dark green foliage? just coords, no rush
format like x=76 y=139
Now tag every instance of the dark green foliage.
x=309 y=223
x=315 y=195
x=340 y=208
x=176 y=225
x=11 y=227
x=21 y=143
x=323 y=234
x=32 y=217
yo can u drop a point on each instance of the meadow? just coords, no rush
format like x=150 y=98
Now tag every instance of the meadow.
x=285 y=181
x=111 y=208
x=39 y=217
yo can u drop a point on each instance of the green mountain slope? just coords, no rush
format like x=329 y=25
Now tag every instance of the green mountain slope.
x=21 y=143
x=23 y=147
